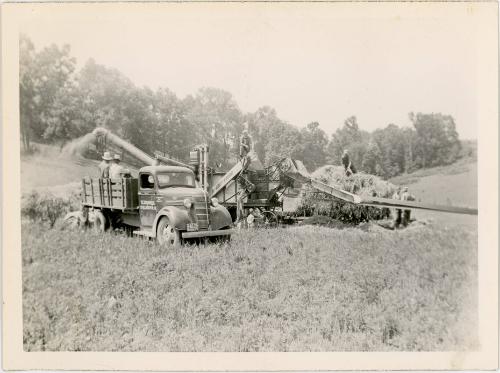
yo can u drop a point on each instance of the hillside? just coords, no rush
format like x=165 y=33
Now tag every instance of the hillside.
x=454 y=184
x=50 y=167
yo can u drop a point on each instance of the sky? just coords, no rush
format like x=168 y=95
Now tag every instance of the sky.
x=311 y=62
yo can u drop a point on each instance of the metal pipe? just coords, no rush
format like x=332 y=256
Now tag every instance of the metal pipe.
x=205 y=167
x=173 y=161
x=128 y=147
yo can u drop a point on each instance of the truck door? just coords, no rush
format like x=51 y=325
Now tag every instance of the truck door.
x=147 y=199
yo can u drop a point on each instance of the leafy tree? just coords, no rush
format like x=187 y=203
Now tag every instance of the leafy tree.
x=176 y=135
x=27 y=90
x=284 y=141
x=313 y=143
x=105 y=93
x=64 y=121
x=392 y=144
x=260 y=124
x=218 y=120
x=437 y=140
x=372 y=160
x=46 y=77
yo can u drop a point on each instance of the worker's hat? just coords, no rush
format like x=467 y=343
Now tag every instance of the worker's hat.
x=245 y=132
x=107 y=156
x=117 y=157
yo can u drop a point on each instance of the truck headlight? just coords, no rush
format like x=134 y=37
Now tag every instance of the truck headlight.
x=187 y=203
x=215 y=202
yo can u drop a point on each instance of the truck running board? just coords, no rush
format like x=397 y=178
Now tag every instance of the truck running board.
x=144 y=234
x=222 y=232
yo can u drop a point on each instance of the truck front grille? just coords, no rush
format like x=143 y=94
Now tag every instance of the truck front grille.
x=202 y=212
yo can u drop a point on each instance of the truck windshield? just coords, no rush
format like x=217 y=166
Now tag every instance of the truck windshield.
x=175 y=179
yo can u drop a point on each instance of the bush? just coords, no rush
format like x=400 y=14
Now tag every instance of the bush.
x=46 y=208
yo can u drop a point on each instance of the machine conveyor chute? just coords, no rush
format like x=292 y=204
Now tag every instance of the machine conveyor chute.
x=296 y=171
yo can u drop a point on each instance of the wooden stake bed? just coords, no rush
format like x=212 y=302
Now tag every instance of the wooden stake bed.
x=121 y=194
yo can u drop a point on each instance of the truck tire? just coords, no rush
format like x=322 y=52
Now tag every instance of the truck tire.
x=100 y=223
x=167 y=235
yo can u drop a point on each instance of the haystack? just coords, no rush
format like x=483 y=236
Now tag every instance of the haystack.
x=315 y=203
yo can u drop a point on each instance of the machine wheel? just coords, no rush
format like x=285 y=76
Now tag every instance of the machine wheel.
x=100 y=223
x=167 y=235
x=270 y=219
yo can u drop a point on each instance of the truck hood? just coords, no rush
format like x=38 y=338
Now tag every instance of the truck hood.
x=181 y=193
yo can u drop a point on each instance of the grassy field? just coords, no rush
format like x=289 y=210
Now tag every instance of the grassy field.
x=287 y=289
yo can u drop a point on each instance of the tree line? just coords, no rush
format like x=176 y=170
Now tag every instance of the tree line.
x=59 y=103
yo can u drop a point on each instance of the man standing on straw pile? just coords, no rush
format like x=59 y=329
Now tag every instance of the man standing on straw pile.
x=348 y=166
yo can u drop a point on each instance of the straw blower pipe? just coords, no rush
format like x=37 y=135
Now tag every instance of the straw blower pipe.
x=133 y=150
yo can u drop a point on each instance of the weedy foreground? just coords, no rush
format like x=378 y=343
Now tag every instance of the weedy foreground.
x=286 y=289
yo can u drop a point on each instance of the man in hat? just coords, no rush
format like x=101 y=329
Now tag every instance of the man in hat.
x=397 y=212
x=115 y=169
x=348 y=166
x=105 y=165
x=406 y=196
x=250 y=219
x=245 y=148
x=245 y=144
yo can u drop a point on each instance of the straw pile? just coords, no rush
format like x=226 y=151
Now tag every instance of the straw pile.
x=80 y=146
x=315 y=203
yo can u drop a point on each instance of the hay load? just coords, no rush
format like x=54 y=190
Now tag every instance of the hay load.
x=316 y=203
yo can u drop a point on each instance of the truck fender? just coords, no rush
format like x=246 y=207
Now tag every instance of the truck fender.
x=177 y=217
x=77 y=214
x=220 y=217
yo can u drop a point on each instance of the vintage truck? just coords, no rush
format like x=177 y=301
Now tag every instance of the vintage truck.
x=164 y=202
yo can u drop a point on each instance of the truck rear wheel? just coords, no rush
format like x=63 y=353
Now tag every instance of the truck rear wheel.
x=99 y=223
x=167 y=235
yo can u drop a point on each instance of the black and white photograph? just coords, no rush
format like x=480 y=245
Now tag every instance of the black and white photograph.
x=253 y=177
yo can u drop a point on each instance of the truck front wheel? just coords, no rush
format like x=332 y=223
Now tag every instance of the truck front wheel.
x=167 y=235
